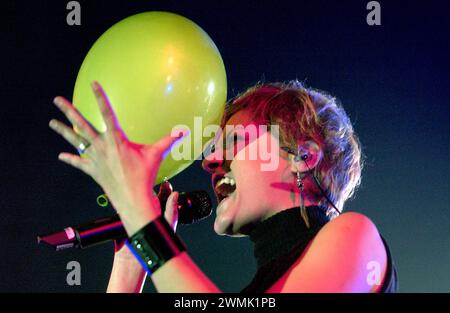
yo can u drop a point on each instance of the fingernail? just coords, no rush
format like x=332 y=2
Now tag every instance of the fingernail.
x=183 y=133
x=52 y=123
x=56 y=100
x=95 y=85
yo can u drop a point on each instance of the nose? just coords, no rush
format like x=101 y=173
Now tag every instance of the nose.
x=213 y=160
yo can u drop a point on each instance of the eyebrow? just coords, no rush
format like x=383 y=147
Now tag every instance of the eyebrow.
x=289 y=150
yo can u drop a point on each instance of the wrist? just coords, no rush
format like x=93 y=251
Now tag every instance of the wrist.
x=127 y=275
x=138 y=214
x=155 y=244
x=125 y=255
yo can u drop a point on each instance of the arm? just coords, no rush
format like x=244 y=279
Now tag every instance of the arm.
x=126 y=171
x=180 y=274
x=127 y=275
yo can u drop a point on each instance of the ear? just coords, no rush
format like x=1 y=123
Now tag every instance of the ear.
x=313 y=153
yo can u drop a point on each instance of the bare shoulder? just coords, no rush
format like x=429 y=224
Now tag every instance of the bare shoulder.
x=339 y=258
x=350 y=223
x=352 y=242
x=349 y=232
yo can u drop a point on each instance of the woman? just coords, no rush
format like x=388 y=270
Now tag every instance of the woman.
x=291 y=213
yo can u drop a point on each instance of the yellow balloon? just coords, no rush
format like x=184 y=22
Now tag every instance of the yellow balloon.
x=159 y=70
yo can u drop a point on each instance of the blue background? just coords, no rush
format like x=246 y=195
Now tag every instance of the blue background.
x=392 y=79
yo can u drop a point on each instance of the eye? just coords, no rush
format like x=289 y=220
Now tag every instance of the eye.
x=228 y=140
x=288 y=150
x=210 y=148
x=233 y=138
x=234 y=142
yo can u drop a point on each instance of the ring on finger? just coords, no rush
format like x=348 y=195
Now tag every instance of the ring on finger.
x=82 y=147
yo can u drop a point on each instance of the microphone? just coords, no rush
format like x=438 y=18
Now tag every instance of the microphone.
x=193 y=206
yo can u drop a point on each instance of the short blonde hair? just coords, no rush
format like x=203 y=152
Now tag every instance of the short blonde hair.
x=309 y=114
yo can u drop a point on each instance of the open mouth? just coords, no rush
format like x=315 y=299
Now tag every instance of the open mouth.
x=224 y=186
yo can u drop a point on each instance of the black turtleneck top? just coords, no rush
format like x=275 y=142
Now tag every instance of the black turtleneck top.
x=281 y=239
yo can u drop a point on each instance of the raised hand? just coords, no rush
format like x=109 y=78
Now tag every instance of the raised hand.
x=125 y=170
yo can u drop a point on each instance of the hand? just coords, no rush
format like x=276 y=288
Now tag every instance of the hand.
x=125 y=170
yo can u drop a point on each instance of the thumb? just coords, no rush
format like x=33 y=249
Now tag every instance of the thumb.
x=171 y=212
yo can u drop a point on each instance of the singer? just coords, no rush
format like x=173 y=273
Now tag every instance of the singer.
x=292 y=214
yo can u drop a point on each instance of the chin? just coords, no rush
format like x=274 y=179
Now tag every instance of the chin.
x=232 y=234
x=230 y=230
x=222 y=228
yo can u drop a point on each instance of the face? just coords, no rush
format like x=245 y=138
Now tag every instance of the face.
x=247 y=194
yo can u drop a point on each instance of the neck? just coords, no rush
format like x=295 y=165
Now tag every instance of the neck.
x=283 y=231
x=287 y=199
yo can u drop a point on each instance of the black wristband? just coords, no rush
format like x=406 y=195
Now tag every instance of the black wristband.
x=155 y=244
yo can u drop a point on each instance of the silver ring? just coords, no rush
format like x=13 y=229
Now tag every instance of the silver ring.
x=82 y=147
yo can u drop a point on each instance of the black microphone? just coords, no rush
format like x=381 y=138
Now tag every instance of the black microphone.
x=193 y=206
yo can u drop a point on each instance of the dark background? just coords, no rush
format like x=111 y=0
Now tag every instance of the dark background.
x=393 y=80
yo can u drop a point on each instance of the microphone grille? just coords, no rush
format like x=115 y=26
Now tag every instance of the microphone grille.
x=194 y=206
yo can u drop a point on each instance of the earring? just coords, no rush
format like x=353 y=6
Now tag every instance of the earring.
x=299 y=181
x=303 y=211
x=301 y=155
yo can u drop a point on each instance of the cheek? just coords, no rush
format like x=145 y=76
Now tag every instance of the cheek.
x=251 y=180
x=254 y=189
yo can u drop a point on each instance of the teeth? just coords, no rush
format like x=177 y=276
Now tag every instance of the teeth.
x=226 y=180
x=225 y=186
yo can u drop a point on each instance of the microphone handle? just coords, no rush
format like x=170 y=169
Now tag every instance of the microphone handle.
x=192 y=207
x=106 y=228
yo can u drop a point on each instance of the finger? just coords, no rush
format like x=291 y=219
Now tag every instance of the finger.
x=171 y=212
x=118 y=244
x=76 y=161
x=67 y=133
x=164 y=145
x=165 y=189
x=75 y=117
x=104 y=105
